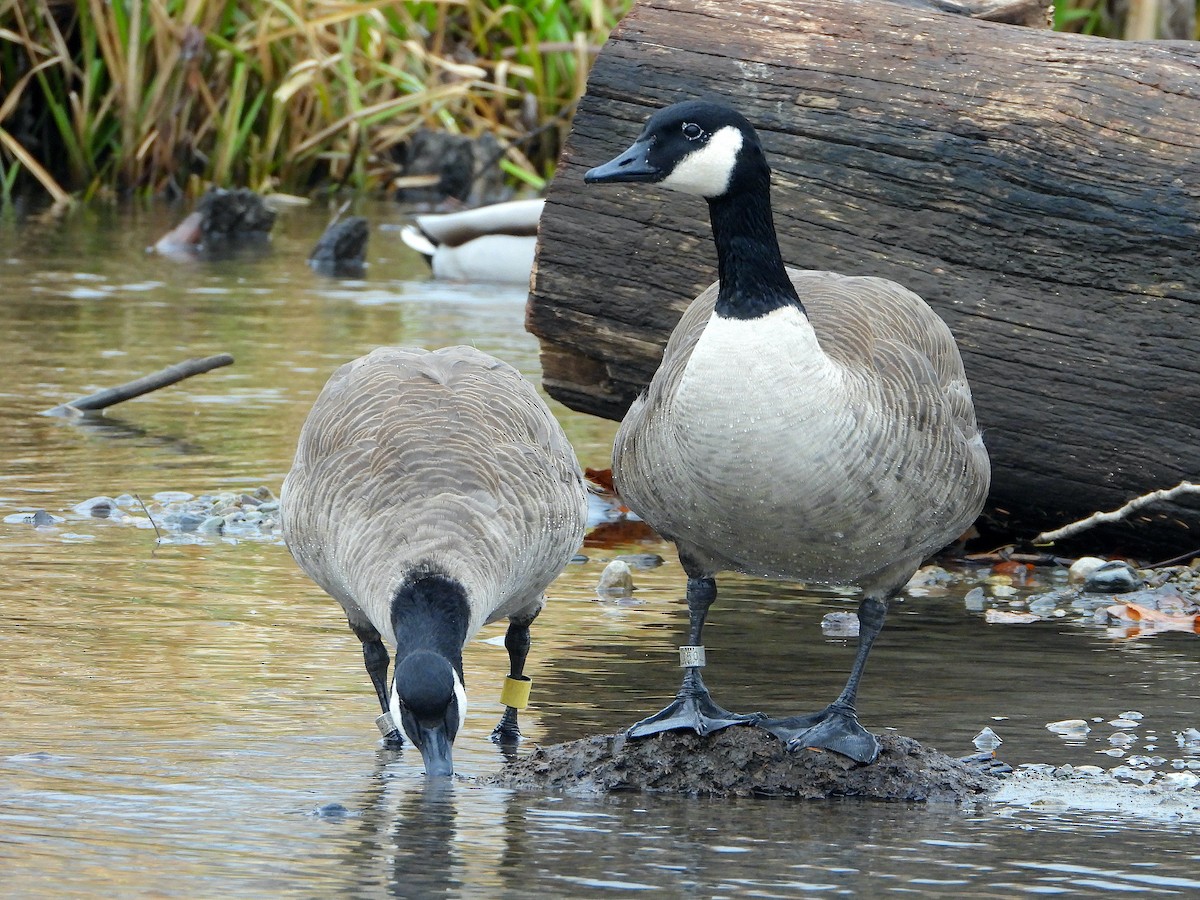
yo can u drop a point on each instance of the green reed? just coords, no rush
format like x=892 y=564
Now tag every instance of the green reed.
x=166 y=96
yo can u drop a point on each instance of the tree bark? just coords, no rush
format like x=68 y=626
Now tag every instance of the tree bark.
x=1040 y=190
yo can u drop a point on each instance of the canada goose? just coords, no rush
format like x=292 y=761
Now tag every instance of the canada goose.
x=802 y=425
x=432 y=493
x=489 y=243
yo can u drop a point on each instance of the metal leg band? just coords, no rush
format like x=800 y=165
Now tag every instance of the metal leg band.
x=515 y=692
x=691 y=657
x=385 y=724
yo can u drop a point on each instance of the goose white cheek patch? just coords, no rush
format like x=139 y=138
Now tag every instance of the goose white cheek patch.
x=706 y=170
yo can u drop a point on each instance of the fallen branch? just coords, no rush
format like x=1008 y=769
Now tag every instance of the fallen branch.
x=144 y=385
x=1100 y=518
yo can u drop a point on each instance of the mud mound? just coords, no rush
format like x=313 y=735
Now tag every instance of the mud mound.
x=744 y=762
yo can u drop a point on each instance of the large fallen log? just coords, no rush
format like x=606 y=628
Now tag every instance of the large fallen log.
x=1040 y=190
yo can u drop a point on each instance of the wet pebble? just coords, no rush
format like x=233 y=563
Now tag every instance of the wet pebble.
x=187 y=517
x=616 y=580
x=1084 y=567
x=1179 y=781
x=641 y=560
x=1070 y=728
x=212 y=525
x=986 y=740
x=1127 y=773
x=1188 y=739
x=333 y=812
x=98 y=508
x=39 y=518
x=1113 y=578
x=975 y=600
x=840 y=624
x=167 y=498
x=1045 y=604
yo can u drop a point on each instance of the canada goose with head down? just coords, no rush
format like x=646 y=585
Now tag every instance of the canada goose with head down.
x=802 y=425
x=433 y=493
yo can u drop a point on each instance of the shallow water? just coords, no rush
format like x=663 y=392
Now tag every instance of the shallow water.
x=190 y=718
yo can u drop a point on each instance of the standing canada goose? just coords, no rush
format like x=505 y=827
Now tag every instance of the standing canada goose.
x=433 y=493
x=802 y=425
x=489 y=243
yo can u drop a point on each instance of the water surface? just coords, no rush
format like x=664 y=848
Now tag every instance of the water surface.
x=189 y=718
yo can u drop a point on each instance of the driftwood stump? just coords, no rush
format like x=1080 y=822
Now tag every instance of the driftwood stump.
x=1040 y=190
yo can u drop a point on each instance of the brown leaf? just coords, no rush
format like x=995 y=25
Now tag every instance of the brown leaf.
x=1153 y=620
x=602 y=478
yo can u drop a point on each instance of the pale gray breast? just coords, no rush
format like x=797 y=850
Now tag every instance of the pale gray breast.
x=445 y=458
x=905 y=478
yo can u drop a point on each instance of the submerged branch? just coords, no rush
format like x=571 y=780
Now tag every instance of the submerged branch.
x=144 y=385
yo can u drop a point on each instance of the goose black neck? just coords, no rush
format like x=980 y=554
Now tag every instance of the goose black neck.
x=754 y=280
x=430 y=611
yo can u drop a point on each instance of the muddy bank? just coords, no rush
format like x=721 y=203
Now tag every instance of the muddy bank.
x=744 y=762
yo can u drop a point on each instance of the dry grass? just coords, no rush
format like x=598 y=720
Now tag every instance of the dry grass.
x=162 y=96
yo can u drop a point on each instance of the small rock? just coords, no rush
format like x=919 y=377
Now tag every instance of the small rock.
x=1189 y=739
x=1178 y=781
x=334 y=812
x=974 y=600
x=37 y=518
x=986 y=740
x=641 y=560
x=1044 y=604
x=928 y=576
x=1113 y=578
x=616 y=580
x=97 y=507
x=1069 y=728
x=342 y=249
x=169 y=497
x=1083 y=567
x=1004 y=617
x=840 y=624
x=212 y=525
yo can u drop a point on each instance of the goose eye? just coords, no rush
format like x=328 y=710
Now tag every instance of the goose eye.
x=692 y=131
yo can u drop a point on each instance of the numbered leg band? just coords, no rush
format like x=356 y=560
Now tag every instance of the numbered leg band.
x=691 y=657
x=385 y=724
x=515 y=692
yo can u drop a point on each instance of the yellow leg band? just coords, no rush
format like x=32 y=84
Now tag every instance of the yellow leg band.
x=516 y=692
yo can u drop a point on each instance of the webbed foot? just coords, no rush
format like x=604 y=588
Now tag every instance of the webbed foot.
x=834 y=728
x=693 y=709
x=507 y=732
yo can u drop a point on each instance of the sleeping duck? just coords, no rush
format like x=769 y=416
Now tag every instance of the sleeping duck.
x=489 y=243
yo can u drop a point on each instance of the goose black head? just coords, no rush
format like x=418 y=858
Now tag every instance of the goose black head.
x=430 y=702
x=697 y=147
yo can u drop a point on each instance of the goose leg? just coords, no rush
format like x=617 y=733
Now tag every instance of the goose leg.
x=693 y=706
x=836 y=727
x=376 y=659
x=516 y=642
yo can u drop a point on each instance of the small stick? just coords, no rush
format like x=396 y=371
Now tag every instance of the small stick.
x=144 y=385
x=157 y=533
x=1049 y=537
